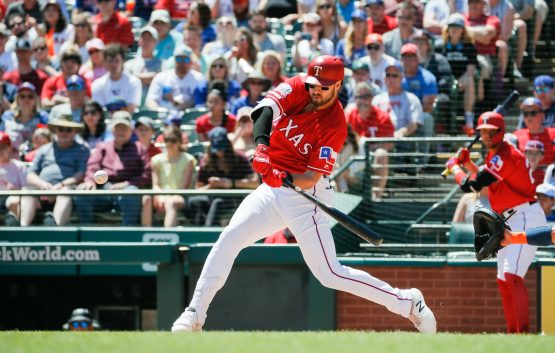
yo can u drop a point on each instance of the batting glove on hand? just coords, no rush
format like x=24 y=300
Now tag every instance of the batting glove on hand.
x=463 y=155
x=452 y=162
x=260 y=161
x=274 y=178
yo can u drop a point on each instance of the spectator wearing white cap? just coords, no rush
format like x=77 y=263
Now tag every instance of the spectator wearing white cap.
x=174 y=89
x=533 y=114
x=145 y=65
x=545 y=193
x=167 y=41
x=116 y=82
x=534 y=152
x=94 y=67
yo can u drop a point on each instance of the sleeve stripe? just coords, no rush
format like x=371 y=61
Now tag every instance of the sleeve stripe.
x=327 y=172
x=497 y=176
x=271 y=103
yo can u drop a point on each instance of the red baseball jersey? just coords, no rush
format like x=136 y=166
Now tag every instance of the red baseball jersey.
x=301 y=141
x=377 y=124
x=546 y=137
x=515 y=184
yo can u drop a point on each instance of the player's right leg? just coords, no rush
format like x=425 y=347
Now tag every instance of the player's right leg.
x=254 y=219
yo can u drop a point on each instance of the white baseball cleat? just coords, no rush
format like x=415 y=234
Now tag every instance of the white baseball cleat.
x=420 y=314
x=187 y=322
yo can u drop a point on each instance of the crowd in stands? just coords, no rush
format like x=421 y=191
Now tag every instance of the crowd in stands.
x=78 y=78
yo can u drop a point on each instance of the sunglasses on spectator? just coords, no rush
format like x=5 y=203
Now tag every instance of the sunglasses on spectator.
x=408 y=18
x=17 y=24
x=257 y=83
x=80 y=25
x=324 y=88
x=37 y=49
x=90 y=112
x=364 y=96
x=543 y=89
x=392 y=75
x=218 y=66
x=63 y=129
x=530 y=113
x=80 y=324
x=182 y=59
x=75 y=87
x=373 y=47
x=325 y=6
x=171 y=140
x=27 y=96
x=101 y=1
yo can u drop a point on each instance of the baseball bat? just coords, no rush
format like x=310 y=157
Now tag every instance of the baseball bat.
x=513 y=96
x=345 y=220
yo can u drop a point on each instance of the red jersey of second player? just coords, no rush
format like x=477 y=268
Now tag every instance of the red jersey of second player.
x=378 y=124
x=203 y=124
x=301 y=141
x=514 y=184
x=546 y=137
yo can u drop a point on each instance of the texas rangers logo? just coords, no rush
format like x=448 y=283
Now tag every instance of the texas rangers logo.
x=496 y=163
x=317 y=70
x=485 y=119
x=328 y=154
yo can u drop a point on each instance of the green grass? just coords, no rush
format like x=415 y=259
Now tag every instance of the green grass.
x=269 y=342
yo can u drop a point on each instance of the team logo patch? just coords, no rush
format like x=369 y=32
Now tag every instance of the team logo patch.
x=283 y=90
x=496 y=163
x=328 y=154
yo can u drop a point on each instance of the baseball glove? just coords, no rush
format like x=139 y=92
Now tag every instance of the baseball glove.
x=489 y=228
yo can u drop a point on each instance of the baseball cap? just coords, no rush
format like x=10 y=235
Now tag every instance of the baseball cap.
x=50 y=2
x=324 y=70
x=374 y=2
x=358 y=14
x=183 y=50
x=311 y=17
x=257 y=76
x=95 y=43
x=409 y=48
x=146 y=121
x=374 y=38
x=531 y=101
x=218 y=139
x=22 y=44
x=360 y=65
x=121 y=117
x=534 y=145
x=456 y=20
x=26 y=85
x=149 y=29
x=115 y=103
x=5 y=139
x=396 y=64
x=4 y=30
x=546 y=189
x=160 y=15
x=244 y=112
x=75 y=80
x=422 y=34
x=544 y=80
x=491 y=120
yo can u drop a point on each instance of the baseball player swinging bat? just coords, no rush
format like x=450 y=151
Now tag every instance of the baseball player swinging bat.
x=346 y=221
x=499 y=109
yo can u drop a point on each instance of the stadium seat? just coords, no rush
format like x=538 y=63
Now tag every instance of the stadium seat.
x=461 y=233
x=191 y=114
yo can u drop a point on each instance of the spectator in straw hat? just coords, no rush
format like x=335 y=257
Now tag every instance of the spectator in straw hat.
x=58 y=165
x=256 y=84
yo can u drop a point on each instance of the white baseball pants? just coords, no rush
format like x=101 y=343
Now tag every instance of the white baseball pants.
x=516 y=258
x=268 y=210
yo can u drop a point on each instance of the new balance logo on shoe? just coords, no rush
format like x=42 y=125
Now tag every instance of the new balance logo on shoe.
x=420 y=315
x=420 y=306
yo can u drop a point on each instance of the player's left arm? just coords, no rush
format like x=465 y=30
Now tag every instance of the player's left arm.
x=540 y=236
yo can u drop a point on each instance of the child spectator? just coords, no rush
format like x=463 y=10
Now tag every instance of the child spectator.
x=13 y=176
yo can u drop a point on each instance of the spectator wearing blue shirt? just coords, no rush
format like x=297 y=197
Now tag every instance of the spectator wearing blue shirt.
x=353 y=46
x=167 y=41
x=420 y=82
x=256 y=84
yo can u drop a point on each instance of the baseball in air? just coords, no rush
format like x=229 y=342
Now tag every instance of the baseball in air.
x=100 y=177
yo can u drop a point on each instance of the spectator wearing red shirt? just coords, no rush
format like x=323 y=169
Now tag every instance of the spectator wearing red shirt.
x=367 y=120
x=112 y=26
x=177 y=8
x=378 y=21
x=217 y=115
x=24 y=71
x=485 y=30
x=533 y=114
x=54 y=91
x=144 y=129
